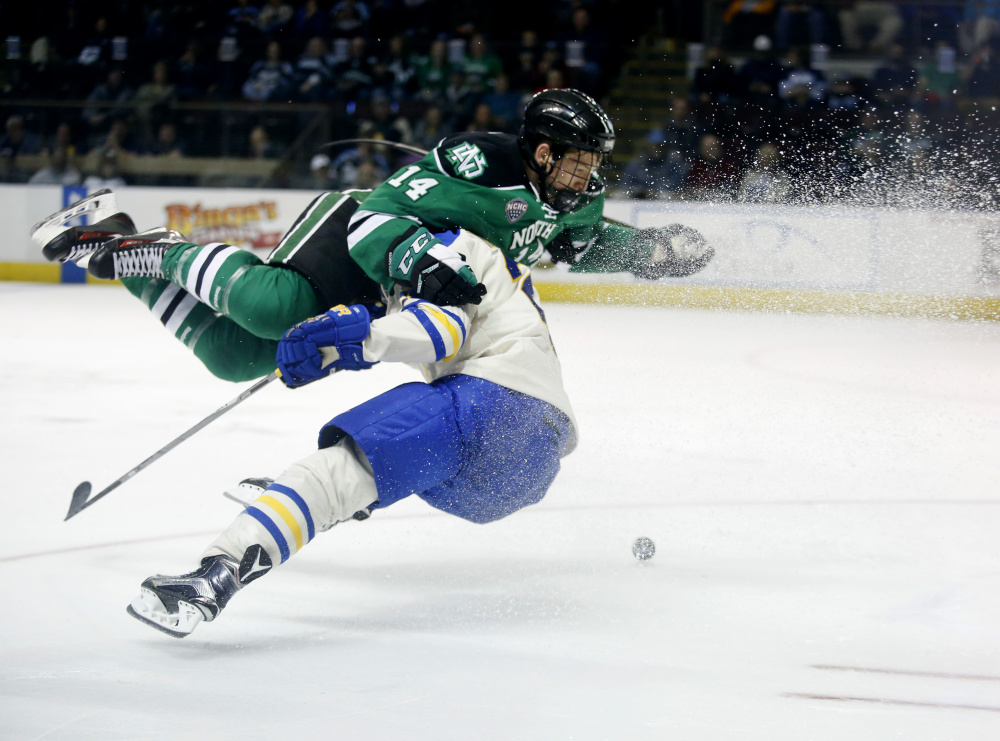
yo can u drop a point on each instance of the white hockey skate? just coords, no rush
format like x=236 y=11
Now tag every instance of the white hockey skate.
x=61 y=242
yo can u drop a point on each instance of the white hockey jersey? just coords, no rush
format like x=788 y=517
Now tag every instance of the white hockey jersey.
x=505 y=339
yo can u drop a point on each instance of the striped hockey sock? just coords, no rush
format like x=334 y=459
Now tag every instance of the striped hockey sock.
x=184 y=316
x=208 y=271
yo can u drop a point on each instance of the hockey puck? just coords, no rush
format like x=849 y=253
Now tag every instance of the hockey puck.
x=643 y=549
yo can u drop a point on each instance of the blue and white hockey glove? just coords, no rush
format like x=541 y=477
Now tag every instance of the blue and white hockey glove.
x=434 y=271
x=341 y=331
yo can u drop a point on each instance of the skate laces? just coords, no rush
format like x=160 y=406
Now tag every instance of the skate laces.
x=144 y=259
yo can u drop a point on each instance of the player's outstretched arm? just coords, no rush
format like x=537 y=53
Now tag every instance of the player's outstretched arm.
x=673 y=251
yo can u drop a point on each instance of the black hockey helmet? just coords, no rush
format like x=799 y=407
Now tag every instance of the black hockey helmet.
x=565 y=119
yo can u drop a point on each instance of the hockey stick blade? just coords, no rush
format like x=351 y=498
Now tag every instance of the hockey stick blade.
x=81 y=495
x=79 y=500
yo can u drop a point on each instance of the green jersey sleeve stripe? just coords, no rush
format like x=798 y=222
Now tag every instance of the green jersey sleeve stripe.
x=364 y=223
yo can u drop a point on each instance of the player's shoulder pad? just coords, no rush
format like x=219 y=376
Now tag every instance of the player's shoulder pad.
x=490 y=159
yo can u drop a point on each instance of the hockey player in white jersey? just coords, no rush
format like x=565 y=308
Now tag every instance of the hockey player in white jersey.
x=480 y=439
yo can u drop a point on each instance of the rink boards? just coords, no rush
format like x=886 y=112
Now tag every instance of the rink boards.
x=816 y=259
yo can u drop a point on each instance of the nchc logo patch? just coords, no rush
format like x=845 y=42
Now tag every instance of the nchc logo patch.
x=468 y=160
x=516 y=209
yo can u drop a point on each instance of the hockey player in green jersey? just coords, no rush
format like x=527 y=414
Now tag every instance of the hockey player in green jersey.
x=538 y=192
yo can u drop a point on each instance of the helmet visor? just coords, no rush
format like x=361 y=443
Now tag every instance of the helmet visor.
x=569 y=177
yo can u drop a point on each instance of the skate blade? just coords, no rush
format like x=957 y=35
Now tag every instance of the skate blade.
x=149 y=609
x=99 y=205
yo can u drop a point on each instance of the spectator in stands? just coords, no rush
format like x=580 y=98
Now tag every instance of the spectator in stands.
x=883 y=17
x=270 y=79
x=313 y=74
x=431 y=128
x=915 y=143
x=982 y=78
x=310 y=21
x=45 y=75
x=348 y=169
x=17 y=140
x=585 y=53
x=481 y=66
x=761 y=74
x=275 y=19
x=152 y=101
x=716 y=80
x=682 y=131
x=659 y=172
x=714 y=174
x=895 y=79
x=434 y=72
x=459 y=100
x=766 y=181
x=549 y=65
x=938 y=80
x=95 y=50
x=507 y=105
x=121 y=139
x=107 y=173
x=350 y=18
x=799 y=24
x=98 y=114
x=842 y=95
x=190 y=73
x=353 y=77
x=524 y=65
x=167 y=143
x=483 y=119
x=260 y=145
x=243 y=22
x=981 y=25
x=801 y=82
x=396 y=73
x=59 y=171
x=382 y=123
x=63 y=139
x=745 y=20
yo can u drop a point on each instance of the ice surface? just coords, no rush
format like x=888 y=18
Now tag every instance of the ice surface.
x=824 y=495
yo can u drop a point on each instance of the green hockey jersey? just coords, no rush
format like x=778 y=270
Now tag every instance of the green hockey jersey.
x=477 y=181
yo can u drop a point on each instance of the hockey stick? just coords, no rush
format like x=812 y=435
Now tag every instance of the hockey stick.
x=80 y=499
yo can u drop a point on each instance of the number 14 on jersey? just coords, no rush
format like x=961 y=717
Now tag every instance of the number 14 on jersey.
x=416 y=188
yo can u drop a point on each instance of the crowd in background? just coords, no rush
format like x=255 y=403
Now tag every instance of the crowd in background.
x=915 y=126
x=402 y=70
x=763 y=117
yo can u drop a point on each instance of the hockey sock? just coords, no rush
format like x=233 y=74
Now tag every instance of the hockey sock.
x=226 y=349
x=313 y=495
x=264 y=299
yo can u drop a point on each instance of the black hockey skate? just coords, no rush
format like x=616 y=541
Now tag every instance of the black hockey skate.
x=136 y=255
x=61 y=242
x=176 y=604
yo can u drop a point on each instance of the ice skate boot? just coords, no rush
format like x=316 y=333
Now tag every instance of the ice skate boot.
x=176 y=604
x=60 y=242
x=136 y=255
